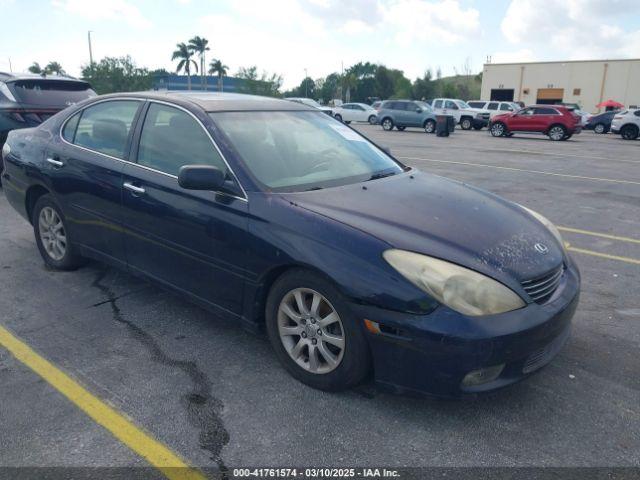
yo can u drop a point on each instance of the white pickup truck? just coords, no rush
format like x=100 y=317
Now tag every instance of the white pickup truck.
x=466 y=116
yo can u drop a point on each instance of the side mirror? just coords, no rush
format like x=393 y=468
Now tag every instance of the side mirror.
x=200 y=177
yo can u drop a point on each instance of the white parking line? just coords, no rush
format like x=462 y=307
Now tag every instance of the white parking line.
x=539 y=172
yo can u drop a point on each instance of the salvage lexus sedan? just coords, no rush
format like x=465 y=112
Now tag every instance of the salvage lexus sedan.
x=273 y=213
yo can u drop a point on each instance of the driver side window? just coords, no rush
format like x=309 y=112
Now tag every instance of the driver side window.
x=172 y=138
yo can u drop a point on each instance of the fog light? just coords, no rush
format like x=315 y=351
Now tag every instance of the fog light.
x=482 y=375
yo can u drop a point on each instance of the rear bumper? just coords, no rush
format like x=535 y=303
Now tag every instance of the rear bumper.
x=615 y=129
x=433 y=353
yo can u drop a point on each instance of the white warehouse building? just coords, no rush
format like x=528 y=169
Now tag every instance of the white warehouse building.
x=585 y=82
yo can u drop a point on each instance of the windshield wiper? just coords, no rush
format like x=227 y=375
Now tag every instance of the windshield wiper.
x=378 y=175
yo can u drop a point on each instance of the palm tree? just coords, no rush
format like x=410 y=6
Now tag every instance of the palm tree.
x=35 y=68
x=184 y=55
x=54 y=67
x=199 y=45
x=217 y=67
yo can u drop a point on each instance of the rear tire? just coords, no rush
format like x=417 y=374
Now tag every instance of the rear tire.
x=557 y=133
x=372 y=120
x=498 y=129
x=52 y=235
x=387 y=124
x=629 y=132
x=430 y=126
x=599 y=128
x=349 y=365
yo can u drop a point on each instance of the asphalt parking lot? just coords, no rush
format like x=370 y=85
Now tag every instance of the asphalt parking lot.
x=216 y=396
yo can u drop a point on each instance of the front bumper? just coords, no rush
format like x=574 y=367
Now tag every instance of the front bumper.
x=480 y=122
x=433 y=353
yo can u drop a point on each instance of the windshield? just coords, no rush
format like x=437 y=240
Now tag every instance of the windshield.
x=462 y=104
x=299 y=151
x=424 y=106
x=309 y=101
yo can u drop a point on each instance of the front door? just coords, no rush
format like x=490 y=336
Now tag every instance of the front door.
x=192 y=241
x=523 y=121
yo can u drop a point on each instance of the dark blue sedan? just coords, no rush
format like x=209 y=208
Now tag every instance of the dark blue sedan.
x=275 y=214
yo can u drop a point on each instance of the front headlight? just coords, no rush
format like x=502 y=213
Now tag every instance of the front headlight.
x=459 y=288
x=547 y=223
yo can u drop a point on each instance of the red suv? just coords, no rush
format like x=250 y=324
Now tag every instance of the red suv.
x=556 y=121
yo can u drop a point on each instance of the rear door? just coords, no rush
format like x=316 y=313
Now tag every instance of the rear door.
x=189 y=240
x=85 y=167
x=493 y=108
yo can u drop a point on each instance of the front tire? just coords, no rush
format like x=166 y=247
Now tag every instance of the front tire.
x=629 y=132
x=557 y=133
x=466 y=123
x=387 y=124
x=52 y=235
x=430 y=126
x=338 y=117
x=314 y=335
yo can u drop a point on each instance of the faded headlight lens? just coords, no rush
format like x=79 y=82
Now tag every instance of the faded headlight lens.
x=547 y=223
x=459 y=288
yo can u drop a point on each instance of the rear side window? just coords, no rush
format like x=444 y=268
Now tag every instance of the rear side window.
x=105 y=127
x=476 y=104
x=545 y=111
x=172 y=138
x=69 y=130
x=438 y=104
x=450 y=104
x=492 y=106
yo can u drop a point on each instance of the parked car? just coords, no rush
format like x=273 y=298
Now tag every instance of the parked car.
x=312 y=103
x=627 y=124
x=464 y=115
x=555 y=121
x=26 y=100
x=601 y=123
x=271 y=213
x=407 y=113
x=494 y=108
x=355 y=112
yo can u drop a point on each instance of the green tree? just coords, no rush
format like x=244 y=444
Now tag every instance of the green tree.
x=54 y=67
x=259 y=84
x=385 y=83
x=117 y=75
x=216 y=67
x=35 y=68
x=184 y=54
x=200 y=46
x=330 y=87
x=424 y=88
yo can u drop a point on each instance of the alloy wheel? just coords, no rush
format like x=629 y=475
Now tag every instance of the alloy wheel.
x=497 y=129
x=387 y=124
x=52 y=233
x=599 y=128
x=311 y=330
x=429 y=126
x=556 y=133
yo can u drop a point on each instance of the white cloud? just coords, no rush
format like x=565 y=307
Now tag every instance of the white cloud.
x=515 y=56
x=435 y=22
x=573 y=29
x=119 y=10
x=356 y=27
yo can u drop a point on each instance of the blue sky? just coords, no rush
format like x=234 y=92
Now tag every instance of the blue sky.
x=287 y=36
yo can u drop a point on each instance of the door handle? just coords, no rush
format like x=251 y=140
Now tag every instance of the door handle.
x=133 y=188
x=55 y=163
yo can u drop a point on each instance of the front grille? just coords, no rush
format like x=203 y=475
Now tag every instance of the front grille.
x=541 y=288
x=486 y=116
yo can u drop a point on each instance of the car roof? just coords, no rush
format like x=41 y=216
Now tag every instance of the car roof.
x=13 y=77
x=219 y=102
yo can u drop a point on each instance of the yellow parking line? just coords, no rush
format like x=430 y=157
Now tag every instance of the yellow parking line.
x=598 y=234
x=120 y=427
x=540 y=172
x=633 y=261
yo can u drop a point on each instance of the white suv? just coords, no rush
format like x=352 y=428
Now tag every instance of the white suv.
x=464 y=114
x=495 y=108
x=627 y=124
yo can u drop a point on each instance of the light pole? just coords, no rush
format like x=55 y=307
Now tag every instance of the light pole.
x=306 y=84
x=90 y=51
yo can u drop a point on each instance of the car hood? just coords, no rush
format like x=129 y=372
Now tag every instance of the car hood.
x=443 y=218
